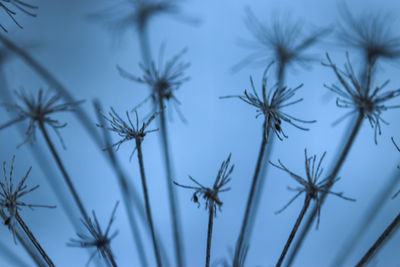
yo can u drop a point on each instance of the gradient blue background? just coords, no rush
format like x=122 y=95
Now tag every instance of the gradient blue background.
x=83 y=55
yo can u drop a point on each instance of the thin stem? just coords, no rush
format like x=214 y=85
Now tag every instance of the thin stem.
x=246 y=217
x=11 y=122
x=64 y=172
x=358 y=231
x=294 y=230
x=128 y=193
x=380 y=242
x=34 y=241
x=145 y=45
x=171 y=190
x=356 y=128
x=147 y=202
x=209 y=231
x=280 y=75
x=110 y=256
x=27 y=246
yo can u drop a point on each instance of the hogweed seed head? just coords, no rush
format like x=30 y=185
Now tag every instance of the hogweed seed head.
x=270 y=105
x=164 y=78
x=37 y=109
x=371 y=34
x=312 y=186
x=9 y=6
x=283 y=43
x=127 y=130
x=96 y=238
x=10 y=196
x=352 y=95
x=211 y=195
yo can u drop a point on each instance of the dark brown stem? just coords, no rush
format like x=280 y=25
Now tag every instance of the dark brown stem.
x=246 y=217
x=356 y=128
x=380 y=242
x=147 y=201
x=33 y=240
x=294 y=230
x=64 y=172
x=211 y=212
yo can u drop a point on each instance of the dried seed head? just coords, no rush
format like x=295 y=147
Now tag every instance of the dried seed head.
x=164 y=79
x=127 y=129
x=353 y=95
x=9 y=6
x=371 y=34
x=312 y=186
x=10 y=195
x=127 y=14
x=37 y=109
x=284 y=43
x=211 y=195
x=96 y=237
x=270 y=105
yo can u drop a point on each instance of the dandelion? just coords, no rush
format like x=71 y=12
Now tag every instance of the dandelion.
x=128 y=131
x=37 y=109
x=283 y=43
x=8 y=7
x=371 y=34
x=97 y=238
x=352 y=95
x=313 y=187
x=211 y=197
x=10 y=199
x=163 y=78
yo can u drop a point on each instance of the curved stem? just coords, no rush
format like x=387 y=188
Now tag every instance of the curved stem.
x=33 y=240
x=246 y=217
x=356 y=128
x=147 y=202
x=209 y=232
x=64 y=172
x=294 y=230
x=380 y=242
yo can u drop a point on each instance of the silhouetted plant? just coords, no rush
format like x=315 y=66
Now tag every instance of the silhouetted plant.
x=211 y=197
x=129 y=132
x=282 y=42
x=38 y=110
x=9 y=7
x=270 y=107
x=10 y=200
x=97 y=238
x=312 y=186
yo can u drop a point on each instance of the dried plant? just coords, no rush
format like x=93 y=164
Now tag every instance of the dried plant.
x=352 y=95
x=164 y=79
x=97 y=238
x=398 y=149
x=211 y=197
x=270 y=107
x=9 y=7
x=10 y=200
x=128 y=131
x=37 y=109
x=313 y=187
x=283 y=42
x=371 y=34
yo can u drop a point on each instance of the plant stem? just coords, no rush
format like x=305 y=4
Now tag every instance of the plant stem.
x=294 y=230
x=128 y=194
x=11 y=122
x=209 y=232
x=171 y=190
x=246 y=217
x=64 y=172
x=356 y=128
x=110 y=256
x=33 y=240
x=380 y=242
x=366 y=220
x=147 y=201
